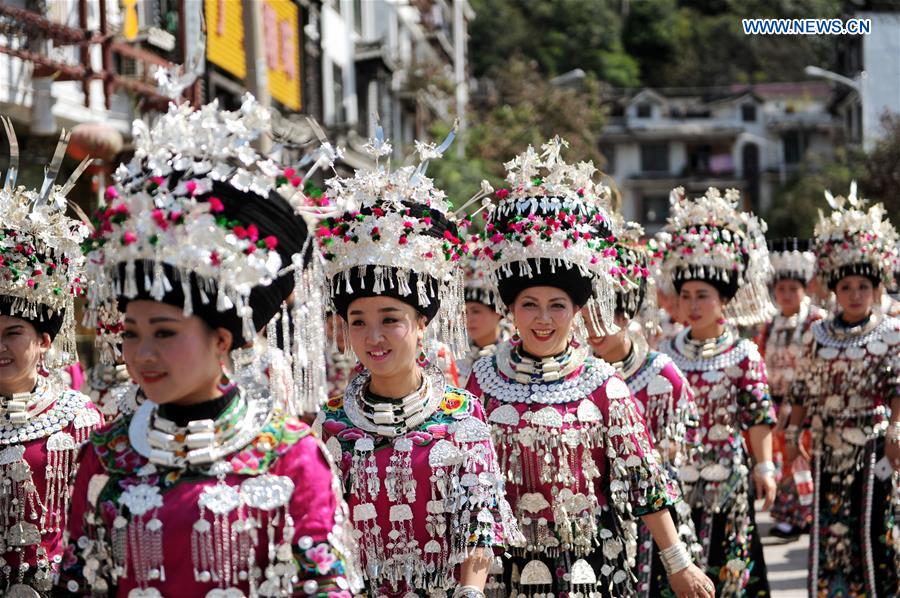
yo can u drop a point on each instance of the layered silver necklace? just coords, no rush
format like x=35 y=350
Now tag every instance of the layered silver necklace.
x=391 y=418
x=631 y=363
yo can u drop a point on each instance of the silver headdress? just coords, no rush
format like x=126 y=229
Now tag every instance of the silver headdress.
x=41 y=264
x=712 y=240
x=792 y=258
x=170 y=220
x=398 y=236
x=553 y=216
x=853 y=240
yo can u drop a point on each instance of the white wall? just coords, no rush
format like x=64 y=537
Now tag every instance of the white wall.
x=881 y=86
x=68 y=101
x=337 y=49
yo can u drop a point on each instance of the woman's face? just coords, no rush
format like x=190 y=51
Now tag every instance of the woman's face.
x=21 y=348
x=543 y=317
x=789 y=294
x=856 y=295
x=607 y=345
x=481 y=323
x=385 y=335
x=669 y=303
x=174 y=358
x=700 y=305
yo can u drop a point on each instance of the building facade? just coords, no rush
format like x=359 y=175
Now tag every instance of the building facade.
x=746 y=137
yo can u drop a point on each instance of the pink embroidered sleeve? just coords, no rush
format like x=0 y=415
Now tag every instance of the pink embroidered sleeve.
x=639 y=484
x=322 y=541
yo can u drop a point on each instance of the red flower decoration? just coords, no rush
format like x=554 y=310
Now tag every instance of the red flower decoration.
x=160 y=218
x=216 y=205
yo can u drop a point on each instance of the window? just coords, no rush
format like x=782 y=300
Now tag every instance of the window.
x=654 y=209
x=358 y=16
x=644 y=111
x=748 y=113
x=795 y=144
x=337 y=84
x=655 y=157
x=609 y=153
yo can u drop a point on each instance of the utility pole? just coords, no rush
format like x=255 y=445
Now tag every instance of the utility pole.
x=459 y=72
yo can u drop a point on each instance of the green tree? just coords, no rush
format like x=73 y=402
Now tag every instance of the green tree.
x=519 y=107
x=795 y=205
x=882 y=174
x=671 y=43
x=561 y=35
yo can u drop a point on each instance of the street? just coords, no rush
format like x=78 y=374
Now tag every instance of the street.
x=785 y=561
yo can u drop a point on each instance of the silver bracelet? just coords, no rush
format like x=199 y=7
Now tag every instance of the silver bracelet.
x=675 y=558
x=467 y=592
x=765 y=468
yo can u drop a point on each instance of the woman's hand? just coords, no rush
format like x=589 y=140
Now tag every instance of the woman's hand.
x=691 y=582
x=765 y=488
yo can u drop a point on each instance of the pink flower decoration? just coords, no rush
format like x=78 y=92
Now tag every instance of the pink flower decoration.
x=352 y=434
x=111 y=193
x=191 y=187
x=215 y=205
x=128 y=238
x=322 y=556
x=419 y=437
x=437 y=431
x=160 y=218
x=333 y=427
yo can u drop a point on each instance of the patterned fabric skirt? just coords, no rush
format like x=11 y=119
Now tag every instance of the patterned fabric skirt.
x=856 y=513
x=732 y=549
x=605 y=572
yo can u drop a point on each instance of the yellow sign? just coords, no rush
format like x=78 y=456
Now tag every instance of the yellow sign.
x=131 y=24
x=225 y=36
x=282 y=42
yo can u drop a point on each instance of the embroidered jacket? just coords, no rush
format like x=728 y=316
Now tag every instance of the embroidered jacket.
x=38 y=463
x=422 y=500
x=578 y=463
x=271 y=523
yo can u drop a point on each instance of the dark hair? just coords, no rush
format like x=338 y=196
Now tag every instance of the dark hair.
x=363 y=277
x=47 y=320
x=565 y=277
x=862 y=269
x=272 y=215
